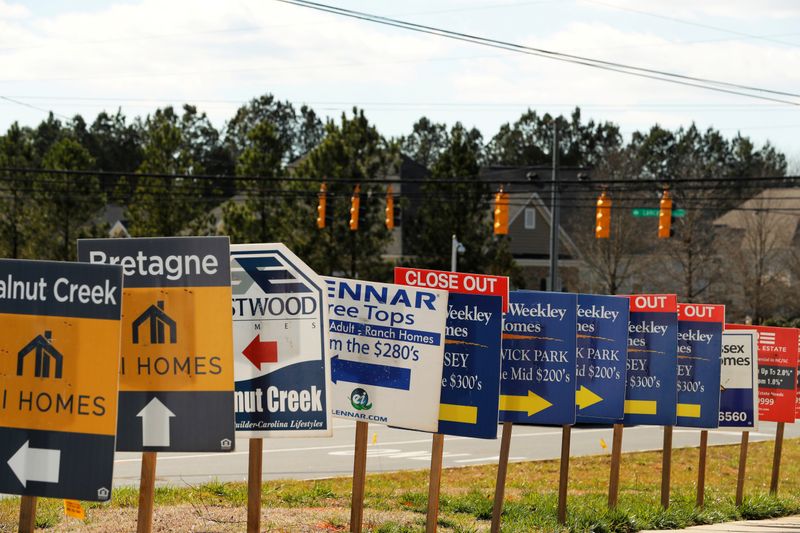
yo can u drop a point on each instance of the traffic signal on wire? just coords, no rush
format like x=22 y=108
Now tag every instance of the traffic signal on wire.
x=602 y=228
x=389 y=208
x=322 y=205
x=355 y=206
x=501 y=213
x=665 y=217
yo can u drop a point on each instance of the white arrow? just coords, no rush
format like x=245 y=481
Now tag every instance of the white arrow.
x=35 y=464
x=155 y=423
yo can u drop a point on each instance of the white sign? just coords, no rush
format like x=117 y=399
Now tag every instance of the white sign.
x=386 y=350
x=279 y=335
x=738 y=409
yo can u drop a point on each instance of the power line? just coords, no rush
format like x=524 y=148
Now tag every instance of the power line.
x=13 y=101
x=691 y=23
x=479 y=180
x=670 y=77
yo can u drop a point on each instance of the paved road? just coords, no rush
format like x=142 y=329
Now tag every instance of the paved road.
x=395 y=449
x=786 y=524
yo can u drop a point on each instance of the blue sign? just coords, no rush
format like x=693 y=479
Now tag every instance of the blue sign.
x=471 y=374
x=738 y=408
x=699 y=350
x=537 y=381
x=602 y=354
x=279 y=338
x=651 y=393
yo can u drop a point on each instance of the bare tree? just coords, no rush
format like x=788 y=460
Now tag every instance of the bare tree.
x=756 y=261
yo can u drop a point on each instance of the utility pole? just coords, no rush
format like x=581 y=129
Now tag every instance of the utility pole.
x=555 y=285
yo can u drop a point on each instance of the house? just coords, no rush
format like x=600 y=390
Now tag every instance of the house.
x=529 y=222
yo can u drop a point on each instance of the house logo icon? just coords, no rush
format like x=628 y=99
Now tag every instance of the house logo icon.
x=45 y=353
x=225 y=444
x=158 y=320
x=102 y=493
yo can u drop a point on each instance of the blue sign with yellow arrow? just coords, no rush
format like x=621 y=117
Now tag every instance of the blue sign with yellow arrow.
x=602 y=355
x=471 y=374
x=651 y=393
x=699 y=364
x=537 y=383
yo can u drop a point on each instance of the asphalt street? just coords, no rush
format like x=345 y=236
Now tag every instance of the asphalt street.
x=394 y=449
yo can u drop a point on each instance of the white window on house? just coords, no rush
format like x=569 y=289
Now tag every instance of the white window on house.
x=530 y=218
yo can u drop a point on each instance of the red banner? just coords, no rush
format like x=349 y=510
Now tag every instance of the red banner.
x=654 y=303
x=701 y=312
x=777 y=371
x=459 y=282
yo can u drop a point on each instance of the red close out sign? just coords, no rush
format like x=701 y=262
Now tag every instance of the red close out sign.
x=458 y=282
x=777 y=371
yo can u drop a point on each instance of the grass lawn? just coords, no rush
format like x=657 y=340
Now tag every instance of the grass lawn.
x=397 y=502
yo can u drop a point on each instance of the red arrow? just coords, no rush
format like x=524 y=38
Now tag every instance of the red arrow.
x=261 y=352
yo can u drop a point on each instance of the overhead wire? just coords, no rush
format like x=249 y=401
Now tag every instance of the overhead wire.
x=661 y=75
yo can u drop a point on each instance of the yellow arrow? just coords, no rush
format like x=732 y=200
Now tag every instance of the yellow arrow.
x=532 y=403
x=689 y=410
x=466 y=414
x=586 y=398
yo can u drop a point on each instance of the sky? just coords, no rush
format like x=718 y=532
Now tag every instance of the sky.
x=89 y=56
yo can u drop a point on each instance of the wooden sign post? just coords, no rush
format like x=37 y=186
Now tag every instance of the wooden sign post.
x=666 y=466
x=742 y=467
x=616 y=457
x=434 y=483
x=147 y=483
x=27 y=514
x=502 y=470
x=359 y=477
x=701 y=469
x=563 y=478
x=776 y=459
x=254 y=466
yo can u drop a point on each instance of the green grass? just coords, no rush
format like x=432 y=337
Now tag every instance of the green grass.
x=398 y=501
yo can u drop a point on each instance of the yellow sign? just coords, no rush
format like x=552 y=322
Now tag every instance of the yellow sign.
x=176 y=373
x=174 y=339
x=74 y=509
x=59 y=376
x=63 y=375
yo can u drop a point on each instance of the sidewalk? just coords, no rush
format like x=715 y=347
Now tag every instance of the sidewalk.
x=787 y=524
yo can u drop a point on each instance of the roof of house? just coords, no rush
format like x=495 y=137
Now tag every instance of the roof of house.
x=783 y=206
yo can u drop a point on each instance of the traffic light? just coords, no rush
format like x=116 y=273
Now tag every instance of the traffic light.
x=322 y=206
x=665 y=217
x=602 y=228
x=355 y=206
x=389 y=208
x=501 y=213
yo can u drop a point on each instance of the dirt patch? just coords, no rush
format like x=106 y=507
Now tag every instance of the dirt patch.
x=188 y=518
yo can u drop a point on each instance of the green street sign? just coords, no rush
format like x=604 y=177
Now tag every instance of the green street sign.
x=653 y=212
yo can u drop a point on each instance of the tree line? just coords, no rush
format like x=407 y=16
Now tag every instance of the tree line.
x=42 y=214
